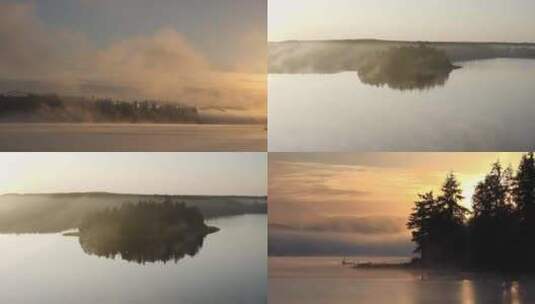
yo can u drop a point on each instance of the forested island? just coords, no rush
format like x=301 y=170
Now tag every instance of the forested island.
x=334 y=56
x=407 y=67
x=58 y=212
x=144 y=232
x=495 y=235
x=22 y=107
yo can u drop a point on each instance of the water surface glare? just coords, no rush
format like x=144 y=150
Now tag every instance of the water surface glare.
x=315 y=280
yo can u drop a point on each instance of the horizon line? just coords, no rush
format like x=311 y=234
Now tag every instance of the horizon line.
x=126 y=193
x=398 y=40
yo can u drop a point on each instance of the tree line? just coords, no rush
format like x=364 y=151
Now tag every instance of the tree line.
x=145 y=219
x=496 y=234
x=52 y=108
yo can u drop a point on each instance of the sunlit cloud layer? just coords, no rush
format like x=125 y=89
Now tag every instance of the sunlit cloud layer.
x=158 y=64
x=361 y=197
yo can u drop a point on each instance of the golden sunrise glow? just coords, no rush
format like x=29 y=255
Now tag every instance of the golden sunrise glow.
x=370 y=184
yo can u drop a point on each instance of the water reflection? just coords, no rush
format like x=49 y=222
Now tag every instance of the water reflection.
x=467 y=292
x=142 y=249
x=292 y=279
x=405 y=79
x=511 y=293
x=485 y=106
x=145 y=232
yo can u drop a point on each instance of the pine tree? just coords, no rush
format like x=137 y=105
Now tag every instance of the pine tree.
x=492 y=224
x=438 y=225
x=524 y=188
x=492 y=196
x=524 y=198
x=450 y=200
x=420 y=224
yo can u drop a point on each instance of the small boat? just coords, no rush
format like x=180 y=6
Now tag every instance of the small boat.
x=346 y=262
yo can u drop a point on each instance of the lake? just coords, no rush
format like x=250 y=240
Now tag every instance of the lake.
x=322 y=280
x=131 y=137
x=487 y=105
x=52 y=268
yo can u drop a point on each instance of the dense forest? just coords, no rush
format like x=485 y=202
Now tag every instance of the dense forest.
x=145 y=232
x=17 y=107
x=495 y=235
x=407 y=67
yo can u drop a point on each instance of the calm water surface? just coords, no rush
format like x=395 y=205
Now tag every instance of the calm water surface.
x=488 y=105
x=131 y=137
x=51 y=268
x=318 y=280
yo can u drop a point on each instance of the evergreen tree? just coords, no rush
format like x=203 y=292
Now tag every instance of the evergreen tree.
x=524 y=198
x=421 y=224
x=450 y=201
x=492 y=196
x=492 y=224
x=524 y=188
x=438 y=225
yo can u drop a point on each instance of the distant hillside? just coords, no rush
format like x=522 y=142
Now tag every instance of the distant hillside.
x=332 y=56
x=55 y=212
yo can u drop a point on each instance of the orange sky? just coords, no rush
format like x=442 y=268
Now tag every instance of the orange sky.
x=367 y=184
x=358 y=204
x=219 y=68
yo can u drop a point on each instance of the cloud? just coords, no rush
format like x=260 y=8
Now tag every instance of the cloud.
x=29 y=49
x=161 y=65
x=291 y=243
x=313 y=181
x=372 y=225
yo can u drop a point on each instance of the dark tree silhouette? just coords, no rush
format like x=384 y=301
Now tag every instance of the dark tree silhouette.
x=524 y=197
x=524 y=188
x=146 y=232
x=52 y=108
x=499 y=234
x=421 y=222
x=451 y=219
x=493 y=222
x=437 y=225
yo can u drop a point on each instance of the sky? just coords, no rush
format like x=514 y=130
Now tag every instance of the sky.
x=139 y=173
x=336 y=203
x=431 y=20
x=203 y=52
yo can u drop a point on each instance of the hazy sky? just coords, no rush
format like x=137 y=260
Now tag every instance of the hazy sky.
x=217 y=28
x=143 y=173
x=202 y=52
x=452 y=20
x=359 y=202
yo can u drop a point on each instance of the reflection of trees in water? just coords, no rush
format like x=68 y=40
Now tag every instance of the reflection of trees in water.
x=399 y=80
x=142 y=249
x=407 y=68
x=145 y=232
